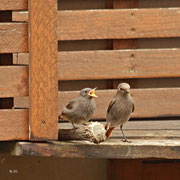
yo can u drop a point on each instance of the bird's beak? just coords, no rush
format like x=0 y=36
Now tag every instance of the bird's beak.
x=127 y=91
x=91 y=93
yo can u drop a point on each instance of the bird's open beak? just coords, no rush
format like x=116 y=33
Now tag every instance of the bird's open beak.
x=91 y=93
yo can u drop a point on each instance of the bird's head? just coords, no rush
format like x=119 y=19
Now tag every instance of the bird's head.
x=123 y=88
x=88 y=92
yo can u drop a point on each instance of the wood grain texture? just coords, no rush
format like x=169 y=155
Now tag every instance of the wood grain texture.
x=124 y=169
x=117 y=64
x=13 y=81
x=21 y=16
x=14 y=125
x=125 y=43
x=43 y=70
x=14 y=37
x=161 y=170
x=13 y=5
x=116 y=24
x=151 y=126
x=112 y=148
x=160 y=102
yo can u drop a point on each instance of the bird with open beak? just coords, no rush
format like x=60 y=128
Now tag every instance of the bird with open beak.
x=80 y=109
x=119 y=110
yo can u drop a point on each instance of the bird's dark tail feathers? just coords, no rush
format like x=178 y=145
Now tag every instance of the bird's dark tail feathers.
x=109 y=131
x=61 y=117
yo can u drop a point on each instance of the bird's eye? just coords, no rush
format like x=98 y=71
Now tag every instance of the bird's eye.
x=85 y=91
x=121 y=89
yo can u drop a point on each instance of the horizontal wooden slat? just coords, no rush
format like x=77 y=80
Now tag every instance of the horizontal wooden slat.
x=20 y=16
x=14 y=125
x=139 y=125
x=115 y=64
x=13 y=81
x=159 y=102
x=13 y=4
x=14 y=37
x=112 y=148
x=116 y=24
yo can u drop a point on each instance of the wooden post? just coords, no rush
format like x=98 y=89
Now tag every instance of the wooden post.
x=125 y=43
x=43 y=70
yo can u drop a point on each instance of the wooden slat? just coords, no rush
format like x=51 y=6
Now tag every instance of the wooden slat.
x=117 y=24
x=20 y=16
x=13 y=5
x=151 y=126
x=14 y=125
x=117 y=64
x=125 y=43
x=13 y=81
x=112 y=148
x=43 y=70
x=14 y=37
x=159 y=102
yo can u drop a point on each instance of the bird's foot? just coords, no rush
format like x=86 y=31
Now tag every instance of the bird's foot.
x=125 y=140
x=75 y=128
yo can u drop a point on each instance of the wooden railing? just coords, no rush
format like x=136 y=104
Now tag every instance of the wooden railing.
x=47 y=65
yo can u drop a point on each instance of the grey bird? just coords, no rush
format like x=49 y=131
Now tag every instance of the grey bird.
x=119 y=110
x=80 y=109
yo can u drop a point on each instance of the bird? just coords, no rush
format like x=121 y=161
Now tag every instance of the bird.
x=119 y=110
x=80 y=109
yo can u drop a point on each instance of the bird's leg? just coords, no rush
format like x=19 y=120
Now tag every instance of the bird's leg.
x=106 y=127
x=74 y=126
x=124 y=137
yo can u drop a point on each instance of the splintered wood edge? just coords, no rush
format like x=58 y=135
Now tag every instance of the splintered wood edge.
x=92 y=131
x=96 y=132
x=110 y=149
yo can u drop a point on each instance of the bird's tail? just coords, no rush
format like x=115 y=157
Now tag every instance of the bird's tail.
x=61 y=117
x=108 y=131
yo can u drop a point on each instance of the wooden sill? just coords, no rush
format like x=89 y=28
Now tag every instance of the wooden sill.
x=150 y=139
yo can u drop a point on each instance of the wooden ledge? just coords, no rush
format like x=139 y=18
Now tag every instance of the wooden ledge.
x=111 y=148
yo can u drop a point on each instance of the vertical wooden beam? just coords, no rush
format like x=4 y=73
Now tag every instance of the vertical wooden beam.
x=43 y=70
x=125 y=43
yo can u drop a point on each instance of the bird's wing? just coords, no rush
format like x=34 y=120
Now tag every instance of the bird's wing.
x=133 y=108
x=71 y=106
x=111 y=105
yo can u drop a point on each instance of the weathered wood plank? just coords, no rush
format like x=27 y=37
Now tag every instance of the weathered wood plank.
x=151 y=126
x=125 y=43
x=13 y=5
x=115 y=64
x=160 y=102
x=120 y=24
x=13 y=81
x=43 y=70
x=21 y=16
x=112 y=148
x=14 y=125
x=14 y=37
